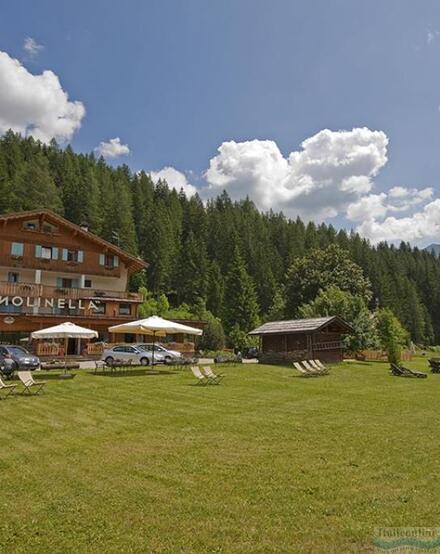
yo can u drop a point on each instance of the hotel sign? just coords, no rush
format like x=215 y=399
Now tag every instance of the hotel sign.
x=38 y=302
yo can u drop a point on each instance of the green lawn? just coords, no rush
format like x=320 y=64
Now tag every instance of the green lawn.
x=265 y=462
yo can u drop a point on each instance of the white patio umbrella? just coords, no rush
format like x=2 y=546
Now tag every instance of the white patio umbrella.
x=156 y=326
x=65 y=331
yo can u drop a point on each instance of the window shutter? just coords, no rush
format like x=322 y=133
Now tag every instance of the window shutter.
x=59 y=282
x=80 y=256
x=64 y=255
x=38 y=251
x=54 y=253
x=101 y=259
x=75 y=283
x=17 y=249
x=116 y=261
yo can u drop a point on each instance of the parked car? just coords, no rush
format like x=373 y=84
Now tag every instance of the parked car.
x=21 y=357
x=169 y=355
x=250 y=352
x=129 y=352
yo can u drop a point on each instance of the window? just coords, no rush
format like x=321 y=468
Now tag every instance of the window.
x=87 y=283
x=13 y=277
x=108 y=260
x=46 y=252
x=100 y=307
x=124 y=309
x=17 y=249
x=48 y=228
x=30 y=225
x=10 y=309
x=66 y=283
x=76 y=256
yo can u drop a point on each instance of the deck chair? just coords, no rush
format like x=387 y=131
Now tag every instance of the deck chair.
x=5 y=389
x=414 y=373
x=434 y=364
x=323 y=370
x=400 y=371
x=29 y=382
x=304 y=372
x=211 y=375
x=310 y=368
x=321 y=365
x=201 y=379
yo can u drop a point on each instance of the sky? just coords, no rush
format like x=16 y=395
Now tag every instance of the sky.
x=326 y=110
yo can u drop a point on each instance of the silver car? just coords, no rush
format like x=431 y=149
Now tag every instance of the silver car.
x=168 y=355
x=21 y=357
x=129 y=352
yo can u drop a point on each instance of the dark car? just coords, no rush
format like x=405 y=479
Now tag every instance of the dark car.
x=250 y=353
x=21 y=357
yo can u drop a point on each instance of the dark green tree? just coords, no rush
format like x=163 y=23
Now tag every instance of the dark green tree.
x=240 y=302
x=319 y=270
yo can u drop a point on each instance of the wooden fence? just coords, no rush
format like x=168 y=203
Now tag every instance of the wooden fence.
x=381 y=356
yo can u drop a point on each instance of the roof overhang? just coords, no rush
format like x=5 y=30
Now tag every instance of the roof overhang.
x=133 y=263
x=346 y=328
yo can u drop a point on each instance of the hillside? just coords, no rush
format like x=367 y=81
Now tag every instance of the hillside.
x=194 y=249
x=434 y=248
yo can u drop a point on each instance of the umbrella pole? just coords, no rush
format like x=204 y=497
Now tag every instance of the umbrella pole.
x=66 y=342
x=154 y=337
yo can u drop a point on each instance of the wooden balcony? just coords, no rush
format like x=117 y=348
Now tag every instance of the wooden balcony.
x=31 y=262
x=32 y=290
x=329 y=345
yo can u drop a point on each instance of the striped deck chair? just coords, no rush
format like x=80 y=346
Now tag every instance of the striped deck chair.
x=5 y=389
x=211 y=375
x=304 y=372
x=201 y=379
x=30 y=385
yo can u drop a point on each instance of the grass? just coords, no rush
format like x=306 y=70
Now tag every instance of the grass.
x=265 y=462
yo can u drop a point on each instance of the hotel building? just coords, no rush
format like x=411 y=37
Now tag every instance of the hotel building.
x=52 y=271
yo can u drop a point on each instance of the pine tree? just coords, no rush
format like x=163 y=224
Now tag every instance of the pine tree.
x=240 y=303
x=34 y=187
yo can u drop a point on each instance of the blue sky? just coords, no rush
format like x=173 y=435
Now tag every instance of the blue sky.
x=176 y=80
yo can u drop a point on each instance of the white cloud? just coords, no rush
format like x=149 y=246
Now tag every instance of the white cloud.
x=333 y=169
x=420 y=226
x=377 y=206
x=366 y=206
x=112 y=149
x=431 y=35
x=31 y=47
x=36 y=105
x=175 y=179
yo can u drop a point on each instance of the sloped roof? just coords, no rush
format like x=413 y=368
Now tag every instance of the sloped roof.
x=299 y=326
x=133 y=263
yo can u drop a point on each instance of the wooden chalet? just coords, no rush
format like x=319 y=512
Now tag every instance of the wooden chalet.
x=302 y=339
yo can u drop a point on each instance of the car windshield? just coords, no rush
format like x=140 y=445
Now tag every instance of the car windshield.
x=149 y=347
x=17 y=351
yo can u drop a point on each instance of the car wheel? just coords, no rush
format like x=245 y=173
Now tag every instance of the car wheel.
x=145 y=361
x=109 y=360
x=168 y=359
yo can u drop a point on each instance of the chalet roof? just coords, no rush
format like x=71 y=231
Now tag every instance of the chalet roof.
x=299 y=326
x=133 y=263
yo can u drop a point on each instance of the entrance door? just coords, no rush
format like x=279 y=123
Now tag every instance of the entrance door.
x=71 y=347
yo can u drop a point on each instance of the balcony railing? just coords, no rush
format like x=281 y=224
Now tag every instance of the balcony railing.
x=329 y=345
x=31 y=262
x=33 y=290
